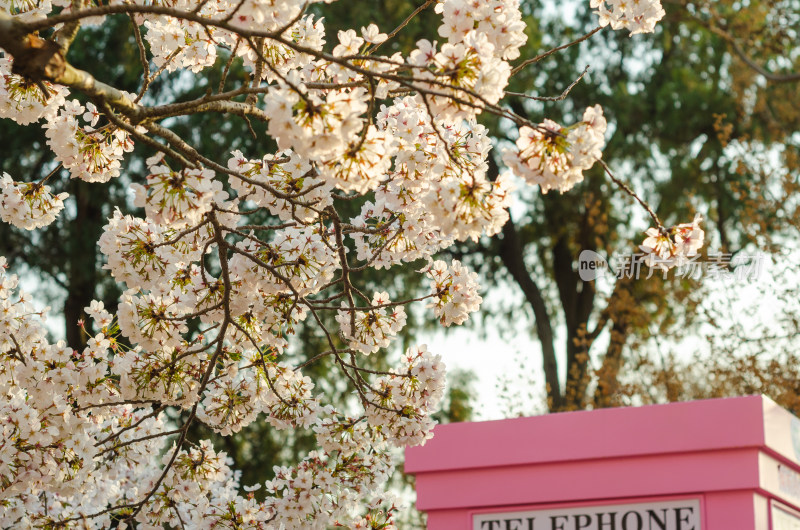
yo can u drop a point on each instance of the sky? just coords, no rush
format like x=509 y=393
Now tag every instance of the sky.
x=496 y=358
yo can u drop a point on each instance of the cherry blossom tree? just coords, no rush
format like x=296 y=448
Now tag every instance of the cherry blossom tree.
x=230 y=255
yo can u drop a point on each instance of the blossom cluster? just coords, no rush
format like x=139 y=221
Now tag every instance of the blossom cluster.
x=369 y=331
x=28 y=205
x=400 y=404
x=31 y=10
x=638 y=16
x=481 y=37
x=68 y=434
x=456 y=292
x=50 y=430
x=500 y=20
x=673 y=247
x=177 y=199
x=274 y=179
x=93 y=155
x=555 y=157
x=440 y=174
x=181 y=44
x=380 y=162
x=26 y=102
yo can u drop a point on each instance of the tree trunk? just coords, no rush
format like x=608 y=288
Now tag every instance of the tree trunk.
x=606 y=394
x=577 y=301
x=81 y=265
x=620 y=310
x=512 y=252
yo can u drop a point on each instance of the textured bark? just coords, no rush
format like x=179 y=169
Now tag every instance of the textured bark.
x=577 y=300
x=42 y=60
x=621 y=310
x=606 y=393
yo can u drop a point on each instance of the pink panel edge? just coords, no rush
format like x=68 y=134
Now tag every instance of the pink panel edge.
x=509 y=442
x=664 y=433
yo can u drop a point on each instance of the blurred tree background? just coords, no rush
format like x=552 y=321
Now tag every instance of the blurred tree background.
x=703 y=117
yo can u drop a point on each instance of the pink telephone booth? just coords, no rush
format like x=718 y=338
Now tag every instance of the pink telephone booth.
x=720 y=464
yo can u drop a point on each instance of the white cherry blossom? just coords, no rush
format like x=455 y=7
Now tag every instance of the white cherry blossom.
x=28 y=205
x=673 y=247
x=555 y=157
x=639 y=16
